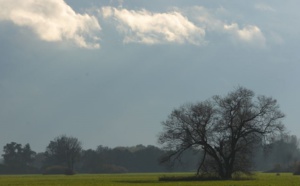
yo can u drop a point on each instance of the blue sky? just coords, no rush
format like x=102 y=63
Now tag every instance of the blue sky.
x=109 y=72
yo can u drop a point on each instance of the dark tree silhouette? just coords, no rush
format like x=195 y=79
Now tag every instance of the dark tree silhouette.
x=64 y=151
x=12 y=154
x=16 y=158
x=225 y=128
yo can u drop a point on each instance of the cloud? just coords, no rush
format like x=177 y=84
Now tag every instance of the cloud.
x=207 y=18
x=264 y=7
x=212 y=21
x=52 y=20
x=249 y=33
x=153 y=28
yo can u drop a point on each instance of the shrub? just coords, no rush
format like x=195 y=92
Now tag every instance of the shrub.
x=297 y=169
x=109 y=168
x=57 y=169
x=5 y=169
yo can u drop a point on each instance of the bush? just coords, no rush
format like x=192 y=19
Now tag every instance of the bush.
x=108 y=168
x=297 y=169
x=57 y=169
x=5 y=169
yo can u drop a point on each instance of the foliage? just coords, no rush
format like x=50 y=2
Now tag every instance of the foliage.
x=15 y=154
x=121 y=159
x=142 y=158
x=17 y=159
x=281 y=154
x=138 y=158
x=63 y=151
x=57 y=169
x=114 y=169
x=225 y=128
x=282 y=151
x=297 y=169
x=6 y=169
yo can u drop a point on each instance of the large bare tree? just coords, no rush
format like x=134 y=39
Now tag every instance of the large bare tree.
x=225 y=128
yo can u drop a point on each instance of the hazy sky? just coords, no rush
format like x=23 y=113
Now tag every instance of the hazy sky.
x=109 y=72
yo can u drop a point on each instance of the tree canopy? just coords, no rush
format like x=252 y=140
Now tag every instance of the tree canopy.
x=225 y=128
x=18 y=158
x=63 y=150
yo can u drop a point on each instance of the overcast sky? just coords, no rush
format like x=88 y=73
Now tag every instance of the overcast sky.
x=109 y=72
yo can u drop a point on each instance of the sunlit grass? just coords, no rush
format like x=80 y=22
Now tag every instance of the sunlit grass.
x=260 y=179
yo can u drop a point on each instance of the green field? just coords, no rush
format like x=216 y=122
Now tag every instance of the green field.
x=260 y=179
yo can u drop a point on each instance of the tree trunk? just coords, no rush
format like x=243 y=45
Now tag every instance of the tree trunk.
x=225 y=171
x=228 y=175
x=225 y=175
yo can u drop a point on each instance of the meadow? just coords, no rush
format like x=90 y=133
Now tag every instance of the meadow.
x=259 y=179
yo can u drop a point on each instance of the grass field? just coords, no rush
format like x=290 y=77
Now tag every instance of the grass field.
x=260 y=179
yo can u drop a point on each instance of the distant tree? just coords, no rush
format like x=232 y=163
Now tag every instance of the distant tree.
x=64 y=151
x=39 y=160
x=283 y=151
x=146 y=159
x=91 y=162
x=225 y=128
x=12 y=154
x=16 y=158
x=28 y=155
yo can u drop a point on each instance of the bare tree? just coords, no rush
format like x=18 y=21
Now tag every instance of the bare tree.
x=224 y=128
x=63 y=150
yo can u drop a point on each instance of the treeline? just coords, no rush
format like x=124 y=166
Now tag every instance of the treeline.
x=64 y=155
x=282 y=155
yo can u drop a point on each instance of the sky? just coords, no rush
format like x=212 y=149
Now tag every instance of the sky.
x=110 y=71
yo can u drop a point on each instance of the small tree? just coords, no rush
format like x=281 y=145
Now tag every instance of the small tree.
x=225 y=128
x=63 y=150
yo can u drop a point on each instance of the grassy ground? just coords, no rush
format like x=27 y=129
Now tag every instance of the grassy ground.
x=260 y=179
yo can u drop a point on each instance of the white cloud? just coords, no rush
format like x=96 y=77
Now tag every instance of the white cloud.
x=249 y=33
x=212 y=22
x=206 y=18
x=152 y=28
x=52 y=20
